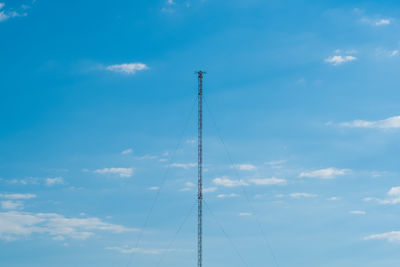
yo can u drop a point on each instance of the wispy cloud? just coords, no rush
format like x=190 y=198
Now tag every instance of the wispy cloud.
x=328 y=173
x=302 y=195
x=122 y=172
x=333 y=198
x=244 y=167
x=127 y=151
x=357 y=212
x=146 y=157
x=245 y=214
x=7 y=14
x=209 y=189
x=394 y=53
x=127 y=250
x=54 y=181
x=226 y=182
x=17 y=196
x=11 y=205
x=392 y=199
x=276 y=163
x=227 y=195
x=183 y=165
x=128 y=68
x=26 y=181
x=21 y=224
x=339 y=59
x=382 y=22
x=389 y=123
x=376 y=22
x=154 y=188
x=268 y=181
x=188 y=187
x=393 y=236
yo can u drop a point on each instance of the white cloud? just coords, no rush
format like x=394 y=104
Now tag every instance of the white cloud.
x=209 y=189
x=268 y=181
x=17 y=196
x=127 y=151
x=122 y=172
x=191 y=141
x=299 y=195
x=393 y=236
x=338 y=60
x=382 y=52
x=276 y=163
x=127 y=68
x=226 y=182
x=127 y=250
x=245 y=214
x=3 y=16
x=357 y=212
x=393 y=197
x=154 y=188
x=146 y=157
x=185 y=189
x=382 y=22
x=183 y=165
x=333 y=198
x=167 y=10
x=390 y=123
x=7 y=14
x=189 y=184
x=227 y=195
x=26 y=181
x=394 y=191
x=376 y=22
x=188 y=187
x=368 y=199
x=11 y=205
x=328 y=173
x=15 y=224
x=54 y=181
x=170 y=2
x=244 y=167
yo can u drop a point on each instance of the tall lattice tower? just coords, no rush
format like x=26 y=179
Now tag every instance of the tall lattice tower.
x=200 y=172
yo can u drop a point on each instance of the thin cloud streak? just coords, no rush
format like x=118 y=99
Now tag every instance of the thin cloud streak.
x=122 y=172
x=389 y=123
x=127 y=68
x=328 y=173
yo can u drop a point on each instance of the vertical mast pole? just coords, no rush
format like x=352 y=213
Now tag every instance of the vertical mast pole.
x=200 y=172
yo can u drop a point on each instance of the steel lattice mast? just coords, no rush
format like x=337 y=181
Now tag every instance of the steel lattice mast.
x=200 y=172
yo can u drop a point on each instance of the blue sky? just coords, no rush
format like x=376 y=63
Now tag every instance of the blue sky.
x=98 y=121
